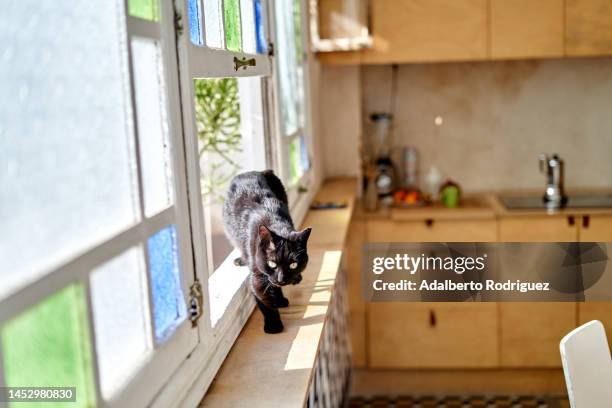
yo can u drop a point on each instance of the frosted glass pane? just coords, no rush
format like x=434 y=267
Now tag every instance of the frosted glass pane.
x=121 y=318
x=231 y=19
x=68 y=168
x=262 y=45
x=152 y=116
x=195 y=27
x=289 y=65
x=213 y=23
x=247 y=17
x=295 y=159
x=48 y=346
x=168 y=301
x=145 y=9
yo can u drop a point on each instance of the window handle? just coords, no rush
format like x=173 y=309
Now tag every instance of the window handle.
x=244 y=63
x=586 y=220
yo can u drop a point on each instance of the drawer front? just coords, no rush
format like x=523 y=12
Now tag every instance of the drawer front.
x=531 y=332
x=601 y=311
x=595 y=228
x=539 y=229
x=432 y=335
x=432 y=230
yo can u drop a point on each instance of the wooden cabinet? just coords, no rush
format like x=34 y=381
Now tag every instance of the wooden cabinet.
x=539 y=228
x=601 y=311
x=432 y=230
x=526 y=28
x=588 y=27
x=427 y=30
x=432 y=335
x=595 y=228
x=530 y=332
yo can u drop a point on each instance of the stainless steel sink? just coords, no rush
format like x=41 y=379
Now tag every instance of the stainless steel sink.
x=573 y=201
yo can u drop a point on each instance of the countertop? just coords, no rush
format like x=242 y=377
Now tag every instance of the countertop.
x=274 y=370
x=484 y=205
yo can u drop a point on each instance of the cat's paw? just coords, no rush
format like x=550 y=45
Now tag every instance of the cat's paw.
x=273 y=327
x=239 y=261
x=282 y=302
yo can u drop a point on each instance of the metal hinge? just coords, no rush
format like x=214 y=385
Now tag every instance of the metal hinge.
x=244 y=63
x=196 y=299
x=178 y=23
x=270 y=49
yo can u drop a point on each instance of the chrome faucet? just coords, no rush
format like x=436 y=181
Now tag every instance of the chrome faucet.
x=554 y=196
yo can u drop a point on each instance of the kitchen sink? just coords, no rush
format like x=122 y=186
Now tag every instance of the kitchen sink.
x=573 y=201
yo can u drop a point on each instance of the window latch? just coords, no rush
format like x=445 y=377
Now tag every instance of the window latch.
x=244 y=63
x=196 y=299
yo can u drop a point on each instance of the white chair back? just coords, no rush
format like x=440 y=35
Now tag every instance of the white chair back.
x=587 y=366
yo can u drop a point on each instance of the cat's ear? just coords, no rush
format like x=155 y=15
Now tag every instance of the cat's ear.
x=265 y=234
x=304 y=235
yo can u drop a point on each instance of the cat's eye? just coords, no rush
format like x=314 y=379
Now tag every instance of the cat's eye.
x=293 y=265
x=272 y=264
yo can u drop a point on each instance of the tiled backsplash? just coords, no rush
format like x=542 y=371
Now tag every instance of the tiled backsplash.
x=497 y=117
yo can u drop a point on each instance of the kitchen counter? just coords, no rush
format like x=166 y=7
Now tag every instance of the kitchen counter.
x=478 y=206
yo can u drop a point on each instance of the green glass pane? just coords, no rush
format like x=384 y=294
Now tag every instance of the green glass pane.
x=48 y=346
x=231 y=15
x=145 y=9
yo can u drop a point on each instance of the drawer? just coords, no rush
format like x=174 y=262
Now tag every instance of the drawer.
x=432 y=335
x=432 y=230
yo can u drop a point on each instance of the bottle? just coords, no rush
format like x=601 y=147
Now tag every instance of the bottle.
x=433 y=180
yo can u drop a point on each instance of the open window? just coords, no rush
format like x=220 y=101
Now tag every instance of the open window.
x=97 y=257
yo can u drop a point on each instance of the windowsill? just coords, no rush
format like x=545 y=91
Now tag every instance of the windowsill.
x=223 y=285
x=287 y=359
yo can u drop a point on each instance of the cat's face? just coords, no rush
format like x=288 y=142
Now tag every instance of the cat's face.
x=282 y=260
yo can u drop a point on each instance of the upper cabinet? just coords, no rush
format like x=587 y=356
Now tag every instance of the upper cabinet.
x=427 y=30
x=526 y=28
x=405 y=31
x=588 y=27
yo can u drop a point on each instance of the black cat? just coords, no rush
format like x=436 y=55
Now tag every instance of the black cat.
x=257 y=222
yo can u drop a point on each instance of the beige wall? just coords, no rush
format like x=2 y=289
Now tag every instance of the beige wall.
x=498 y=116
x=339 y=117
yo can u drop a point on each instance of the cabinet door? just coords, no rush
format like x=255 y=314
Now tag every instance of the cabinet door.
x=427 y=30
x=432 y=335
x=539 y=229
x=588 y=27
x=595 y=228
x=526 y=28
x=601 y=311
x=530 y=332
x=432 y=230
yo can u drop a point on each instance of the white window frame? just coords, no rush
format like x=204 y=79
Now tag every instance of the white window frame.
x=299 y=193
x=164 y=358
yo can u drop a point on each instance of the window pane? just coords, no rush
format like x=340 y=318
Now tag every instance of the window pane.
x=289 y=65
x=231 y=14
x=68 y=179
x=305 y=158
x=120 y=304
x=247 y=17
x=213 y=23
x=168 y=300
x=295 y=160
x=195 y=18
x=48 y=346
x=152 y=125
x=145 y=9
x=229 y=118
x=262 y=44
x=217 y=111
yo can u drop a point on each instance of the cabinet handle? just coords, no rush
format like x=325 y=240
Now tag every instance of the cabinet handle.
x=586 y=220
x=570 y=220
x=429 y=222
x=432 y=318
